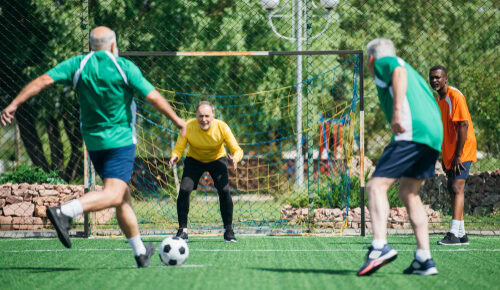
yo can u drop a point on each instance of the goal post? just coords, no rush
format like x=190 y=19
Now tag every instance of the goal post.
x=255 y=93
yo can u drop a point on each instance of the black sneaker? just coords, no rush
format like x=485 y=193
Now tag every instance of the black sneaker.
x=183 y=235
x=376 y=258
x=143 y=260
x=62 y=223
x=426 y=268
x=450 y=240
x=229 y=236
x=464 y=240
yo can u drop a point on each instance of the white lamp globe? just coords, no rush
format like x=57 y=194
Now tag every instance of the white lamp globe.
x=270 y=4
x=329 y=4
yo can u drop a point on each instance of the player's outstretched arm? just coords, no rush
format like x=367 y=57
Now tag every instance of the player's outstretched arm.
x=33 y=88
x=159 y=102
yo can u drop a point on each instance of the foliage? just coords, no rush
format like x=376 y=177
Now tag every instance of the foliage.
x=330 y=195
x=31 y=175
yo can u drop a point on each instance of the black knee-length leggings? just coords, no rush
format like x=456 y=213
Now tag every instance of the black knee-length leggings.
x=193 y=169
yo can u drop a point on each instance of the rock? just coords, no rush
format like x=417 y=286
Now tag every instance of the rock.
x=2 y=203
x=40 y=211
x=38 y=200
x=27 y=223
x=20 y=191
x=66 y=198
x=5 y=190
x=337 y=212
x=5 y=223
x=22 y=209
x=50 y=199
x=48 y=192
x=14 y=199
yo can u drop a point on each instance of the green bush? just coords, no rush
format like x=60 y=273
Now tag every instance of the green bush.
x=27 y=174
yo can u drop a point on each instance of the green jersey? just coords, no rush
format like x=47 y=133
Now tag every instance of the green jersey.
x=105 y=86
x=421 y=116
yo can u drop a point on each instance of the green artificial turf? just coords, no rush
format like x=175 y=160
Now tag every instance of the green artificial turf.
x=254 y=262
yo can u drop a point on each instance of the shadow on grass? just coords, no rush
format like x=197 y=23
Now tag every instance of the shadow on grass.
x=39 y=269
x=314 y=271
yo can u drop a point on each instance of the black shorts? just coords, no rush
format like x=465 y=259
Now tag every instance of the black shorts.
x=407 y=159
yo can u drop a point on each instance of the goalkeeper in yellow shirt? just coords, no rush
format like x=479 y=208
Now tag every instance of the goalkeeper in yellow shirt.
x=206 y=137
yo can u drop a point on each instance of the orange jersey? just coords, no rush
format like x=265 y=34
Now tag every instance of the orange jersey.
x=454 y=109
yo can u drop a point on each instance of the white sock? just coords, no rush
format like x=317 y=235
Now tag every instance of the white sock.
x=422 y=255
x=137 y=245
x=455 y=227
x=378 y=244
x=185 y=230
x=461 y=230
x=72 y=209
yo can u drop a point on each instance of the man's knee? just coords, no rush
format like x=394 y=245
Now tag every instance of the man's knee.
x=457 y=186
x=186 y=187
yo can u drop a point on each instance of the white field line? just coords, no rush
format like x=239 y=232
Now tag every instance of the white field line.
x=248 y=250
x=218 y=236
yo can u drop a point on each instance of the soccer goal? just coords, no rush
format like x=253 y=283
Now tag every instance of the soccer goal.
x=298 y=116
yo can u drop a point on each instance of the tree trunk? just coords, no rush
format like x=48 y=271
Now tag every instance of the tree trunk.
x=55 y=143
x=29 y=135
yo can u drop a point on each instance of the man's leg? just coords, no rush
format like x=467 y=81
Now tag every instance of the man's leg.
x=380 y=253
x=457 y=230
x=409 y=194
x=191 y=176
x=379 y=205
x=218 y=171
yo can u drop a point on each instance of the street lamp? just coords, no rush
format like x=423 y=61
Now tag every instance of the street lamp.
x=298 y=25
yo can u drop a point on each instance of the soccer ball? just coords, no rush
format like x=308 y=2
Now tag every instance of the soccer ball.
x=173 y=251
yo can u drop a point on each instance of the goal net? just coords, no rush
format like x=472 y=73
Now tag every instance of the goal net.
x=296 y=115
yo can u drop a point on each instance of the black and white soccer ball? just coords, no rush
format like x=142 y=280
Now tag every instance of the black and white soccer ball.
x=173 y=251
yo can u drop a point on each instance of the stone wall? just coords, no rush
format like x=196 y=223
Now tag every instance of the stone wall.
x=482 y=193
x=333 y=217
x=23 y=206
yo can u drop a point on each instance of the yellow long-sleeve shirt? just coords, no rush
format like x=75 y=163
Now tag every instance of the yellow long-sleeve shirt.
x=207 y=146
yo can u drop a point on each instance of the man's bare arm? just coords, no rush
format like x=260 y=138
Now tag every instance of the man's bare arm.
x=32 y=89
x=159 y=102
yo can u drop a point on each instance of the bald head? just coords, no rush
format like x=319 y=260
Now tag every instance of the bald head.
x=103 y=38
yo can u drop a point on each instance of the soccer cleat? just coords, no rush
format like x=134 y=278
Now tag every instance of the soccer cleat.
x=183 y=235
x=144 y=260
x=62 y=223
x=464 y=240
x=426 y=268
x=229 y=236
x=450 y=240
x=376 y=258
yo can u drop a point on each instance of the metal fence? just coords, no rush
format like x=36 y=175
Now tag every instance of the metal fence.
x=35 y=35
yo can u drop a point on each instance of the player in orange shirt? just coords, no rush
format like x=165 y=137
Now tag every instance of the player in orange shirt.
x=459 y=148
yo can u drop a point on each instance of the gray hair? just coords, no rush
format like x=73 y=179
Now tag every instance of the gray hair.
x=102 y=42
x=380 y=47
x=205 y=103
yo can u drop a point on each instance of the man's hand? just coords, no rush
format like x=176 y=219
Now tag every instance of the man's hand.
x=397 y=125
x=173 y=161
x=181 y=124
x=456 y=165
x=8 y=114
x=233 y=160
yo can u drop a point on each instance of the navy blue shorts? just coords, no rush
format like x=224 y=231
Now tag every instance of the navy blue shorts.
x=463 y=172
x=114 y=163
x=407 y=159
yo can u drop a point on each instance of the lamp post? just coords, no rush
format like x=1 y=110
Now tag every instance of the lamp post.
x=299 y=16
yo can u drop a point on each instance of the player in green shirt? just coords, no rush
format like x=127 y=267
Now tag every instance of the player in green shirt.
x=105 y=85
x=415 y=120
